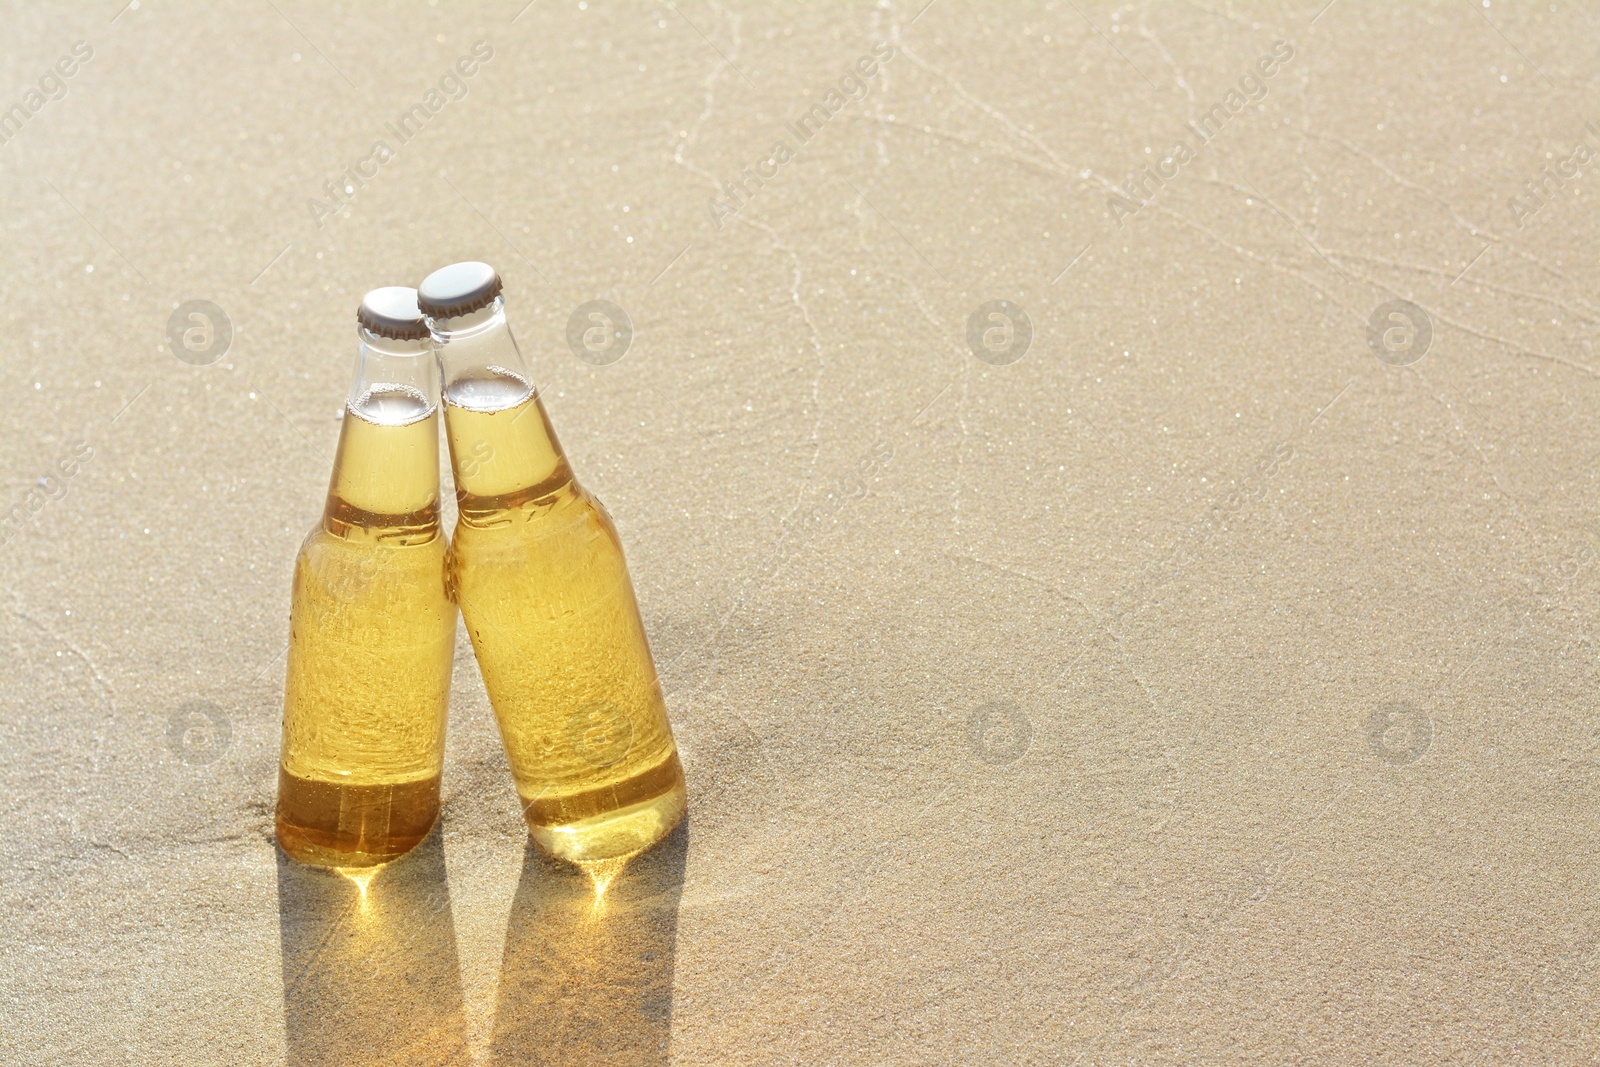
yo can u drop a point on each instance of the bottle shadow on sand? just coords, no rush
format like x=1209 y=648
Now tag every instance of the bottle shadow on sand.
x=586 y=977
x=369 y=963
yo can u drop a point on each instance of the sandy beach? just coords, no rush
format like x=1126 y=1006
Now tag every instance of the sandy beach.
x=1111 y=491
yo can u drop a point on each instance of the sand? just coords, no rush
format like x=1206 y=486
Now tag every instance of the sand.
x=1194 y=683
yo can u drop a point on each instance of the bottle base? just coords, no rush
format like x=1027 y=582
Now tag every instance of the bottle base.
x=328 y=824
x=619 y=833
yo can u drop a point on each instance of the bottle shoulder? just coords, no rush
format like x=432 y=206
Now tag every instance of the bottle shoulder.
x=570 y=518
x=334 y=540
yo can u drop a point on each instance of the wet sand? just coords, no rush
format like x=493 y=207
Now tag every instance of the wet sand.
x=1184 y=672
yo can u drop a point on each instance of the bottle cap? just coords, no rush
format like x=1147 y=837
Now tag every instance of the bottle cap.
x=392 y=312
x=458 y=289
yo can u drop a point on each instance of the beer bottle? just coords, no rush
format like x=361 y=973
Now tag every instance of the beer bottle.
x=538 y=572
x=371 y=629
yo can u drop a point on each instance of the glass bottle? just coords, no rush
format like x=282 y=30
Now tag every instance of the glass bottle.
x=538 y=572
x=371 y=629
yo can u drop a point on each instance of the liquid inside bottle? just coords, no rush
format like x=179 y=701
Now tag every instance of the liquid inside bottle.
x=372 y=631
x=538 y=572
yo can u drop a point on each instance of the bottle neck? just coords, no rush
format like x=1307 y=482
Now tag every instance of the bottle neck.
x=386 y=472
x=503 y=450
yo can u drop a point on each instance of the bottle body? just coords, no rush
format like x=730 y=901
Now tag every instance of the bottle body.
x=538 y=572
x=372 y=640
